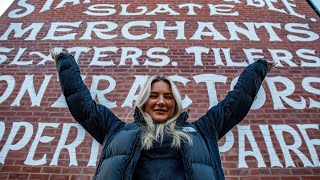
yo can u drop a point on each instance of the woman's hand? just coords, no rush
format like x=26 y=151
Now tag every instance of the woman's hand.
x=271 y=65
x=53 y=53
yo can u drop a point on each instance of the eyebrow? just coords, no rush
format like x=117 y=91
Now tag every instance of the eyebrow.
x=158 y=93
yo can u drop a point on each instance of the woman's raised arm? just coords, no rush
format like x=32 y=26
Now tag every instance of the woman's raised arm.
x=95 y=118
x=229 y=112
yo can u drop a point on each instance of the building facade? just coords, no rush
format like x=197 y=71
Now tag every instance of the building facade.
x=203 y=46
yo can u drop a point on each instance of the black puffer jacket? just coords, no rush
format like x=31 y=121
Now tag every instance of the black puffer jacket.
x=121 y=141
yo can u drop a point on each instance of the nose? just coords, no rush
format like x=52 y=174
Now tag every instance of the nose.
x=161 y=101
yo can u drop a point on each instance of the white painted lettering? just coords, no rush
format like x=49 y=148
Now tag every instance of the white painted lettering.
x=249 y=32
x=101 y=93
x=57 y=27
x=190 y=8
x=39 y=138
x=128 y=35
x=279 y=130
x=163 y=8
x=270 y=30
x=10 y=86
x=197 y=51
x=71 y=147
x=28 y=86
x=161 y=27
x=3 y=58
x=308 y=54
x=186 y=101
x=279 y=55
x=230 y=62
x=19 y=32
x=274 y=159
x=97 y=54
x=291 y=10
x=94 y=153
x=311 y=142
x=154 y=53
x=133 y=95
x=100 y=10
x=125 y=12
x=63 y=2
x=251 y=57
x=11 y=138
x=135 y=53
x=302 y=29
x=306 y=86
x=210 y=80
x=245 y=131
x=46 y=6
x=228 y=143
x=217 y=57
x=213 y=32
x=16 y=61
x=78 y=51
x=100 y=33
x=28 y=9
x=222 y=9
x=279 y=96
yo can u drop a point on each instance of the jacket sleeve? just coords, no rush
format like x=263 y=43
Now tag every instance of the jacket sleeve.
x=94 y=118
x=229 y=112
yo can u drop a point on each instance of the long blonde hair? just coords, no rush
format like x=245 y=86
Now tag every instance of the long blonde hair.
x=155 y=132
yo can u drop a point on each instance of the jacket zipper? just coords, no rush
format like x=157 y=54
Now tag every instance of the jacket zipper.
x=185 y=165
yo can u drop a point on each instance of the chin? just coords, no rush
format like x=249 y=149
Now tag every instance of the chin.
x=160 y=121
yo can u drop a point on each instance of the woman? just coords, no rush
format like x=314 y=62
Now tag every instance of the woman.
x=160 y=144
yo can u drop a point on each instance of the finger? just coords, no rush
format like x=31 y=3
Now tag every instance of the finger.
x=272 y=67
x=52 y=53
x=272 y=62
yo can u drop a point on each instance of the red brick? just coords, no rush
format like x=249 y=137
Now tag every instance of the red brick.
x=281 y=172
x=59 y=177
x=309 y=177
x=302 y=171
x=316 y=171
x=249 y=178
x=18 y=176
x=88 y=170
x=31 y=169
x=260 y=171
x=270 y=177
x=39 y=176
x=4 y=175
x=9 y=169
x=240 y=172
x=290 y=178
x=81 y=177
x=71 y=170
x=51 y=169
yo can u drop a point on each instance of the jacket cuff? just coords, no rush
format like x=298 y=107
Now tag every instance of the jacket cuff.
x=64 y=62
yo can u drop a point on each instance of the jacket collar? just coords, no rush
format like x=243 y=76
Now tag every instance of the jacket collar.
x=138 y=117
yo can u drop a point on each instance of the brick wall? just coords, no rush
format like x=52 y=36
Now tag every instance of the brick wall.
x=203 y=46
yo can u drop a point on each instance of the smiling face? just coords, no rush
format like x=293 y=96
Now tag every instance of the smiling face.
x=161 y=103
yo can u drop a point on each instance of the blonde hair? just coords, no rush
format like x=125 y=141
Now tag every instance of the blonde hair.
x=155 y=132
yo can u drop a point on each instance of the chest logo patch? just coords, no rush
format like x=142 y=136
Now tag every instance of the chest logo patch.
x=188 y=129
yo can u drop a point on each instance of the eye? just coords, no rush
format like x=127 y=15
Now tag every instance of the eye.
x=153 y=96
x=169 y=96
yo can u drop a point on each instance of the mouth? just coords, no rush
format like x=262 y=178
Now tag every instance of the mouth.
x=160 y=110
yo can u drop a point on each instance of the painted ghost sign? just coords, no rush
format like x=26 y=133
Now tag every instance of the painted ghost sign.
x=202 y=46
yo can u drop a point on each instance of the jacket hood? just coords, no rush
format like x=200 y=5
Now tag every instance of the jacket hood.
x=138 y=117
